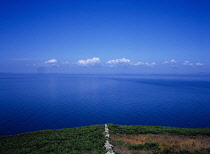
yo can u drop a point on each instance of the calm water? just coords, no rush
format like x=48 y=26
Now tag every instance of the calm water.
x=30 y=102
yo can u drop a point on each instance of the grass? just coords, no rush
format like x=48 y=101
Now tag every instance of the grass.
x=147 y=146
x=126 y=139
x=162 y=141
x=80 y=140
x=138 y=129
x=153 y=139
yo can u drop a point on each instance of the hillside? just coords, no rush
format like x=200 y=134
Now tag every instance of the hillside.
x=80 y=140
x=126 y=139
x=159 y=140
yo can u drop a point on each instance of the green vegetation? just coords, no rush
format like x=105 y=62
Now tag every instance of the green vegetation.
x=133 y=139
x=154 y=148
x=147 y=146
x=80 y=140
x=137 y=129
x=91 y=140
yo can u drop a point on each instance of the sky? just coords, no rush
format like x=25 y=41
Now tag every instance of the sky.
x=105 y=36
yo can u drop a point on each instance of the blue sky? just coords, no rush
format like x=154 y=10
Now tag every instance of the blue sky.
x=105 y=36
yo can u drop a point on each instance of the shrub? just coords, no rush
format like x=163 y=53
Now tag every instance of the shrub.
x=184 y=151
x=167 y=151
x=146 y=146
x=88 y=140
x=136 y=147
x=152 y=146
x=138 y=129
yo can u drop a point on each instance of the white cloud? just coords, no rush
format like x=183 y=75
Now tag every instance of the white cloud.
x=165 y=62
x=173 y=61
x=188 y=63
x=51 y=61
x=153 y=63
x=139 y=63
x=199 y=64
x=150 y=64
x=114 y=63
x=123 y=60
x=144 y=64
x=94 y=60
x=66 y=62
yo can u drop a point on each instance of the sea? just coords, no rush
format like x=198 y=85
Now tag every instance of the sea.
x=32 y=102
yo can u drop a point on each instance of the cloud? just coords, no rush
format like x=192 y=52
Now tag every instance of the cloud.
x=139 y=63
x=123 y=60
x=51 y=61
x=66 y=62
x=165 y=62
x=144 y=64
x=153 y=63
x=150 y=64
x=199 y=64
x=92 y=61
x=188 y=63
x=173 y=61
x=48 y=63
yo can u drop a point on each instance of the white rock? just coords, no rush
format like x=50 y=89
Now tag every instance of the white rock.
x=107 y=135
x=110 y=152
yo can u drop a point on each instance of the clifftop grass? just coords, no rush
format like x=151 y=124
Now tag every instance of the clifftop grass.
x=159 y=140
x=82 y=140
x=137 y=129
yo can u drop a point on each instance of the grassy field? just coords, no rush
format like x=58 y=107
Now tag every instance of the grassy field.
x=80 y=140
x=126 y=139
x=159 y=140
x=137 y=129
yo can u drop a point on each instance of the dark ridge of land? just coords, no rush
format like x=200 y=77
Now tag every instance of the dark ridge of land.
x=126 y=139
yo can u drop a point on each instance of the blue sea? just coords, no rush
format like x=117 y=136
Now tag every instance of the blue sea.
x=32 y=102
